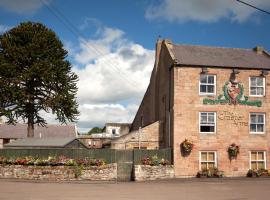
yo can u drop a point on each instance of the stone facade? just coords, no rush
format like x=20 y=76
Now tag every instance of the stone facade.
x=173 y=99
x=147 y=172
x=232 y=122
x=57 y=173
x=147 y=137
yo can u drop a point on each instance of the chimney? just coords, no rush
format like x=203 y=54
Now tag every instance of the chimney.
x=259 y=50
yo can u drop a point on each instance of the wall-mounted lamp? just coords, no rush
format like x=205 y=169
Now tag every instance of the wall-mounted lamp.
x=204 y=70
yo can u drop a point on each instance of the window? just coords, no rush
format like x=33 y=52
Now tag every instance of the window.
x=208 y=160
x=257 y=122
x=113 y=131
x=257 y=160
x=207 y=122
x=257 y=86
x=207 y=84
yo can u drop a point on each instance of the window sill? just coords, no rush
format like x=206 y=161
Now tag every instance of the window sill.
x=206 y=94
x=257 y=96
x=257 y=133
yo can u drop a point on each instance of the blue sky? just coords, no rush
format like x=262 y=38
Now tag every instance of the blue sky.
x=112 y=49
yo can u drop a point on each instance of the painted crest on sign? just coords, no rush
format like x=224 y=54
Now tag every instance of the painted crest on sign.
x=233 y=93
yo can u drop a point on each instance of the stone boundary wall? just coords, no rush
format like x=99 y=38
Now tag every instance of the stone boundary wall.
x=61 y=173
x=147 y=172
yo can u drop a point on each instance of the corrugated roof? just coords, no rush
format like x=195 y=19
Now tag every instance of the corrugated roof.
x=220 y=57
x=40 y=142
x=20 y=131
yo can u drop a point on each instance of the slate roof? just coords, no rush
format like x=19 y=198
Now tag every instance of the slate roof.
x=220 y=57
x=41 y=142
x=20 y=131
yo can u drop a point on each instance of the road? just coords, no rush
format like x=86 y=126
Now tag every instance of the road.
x=186 y=189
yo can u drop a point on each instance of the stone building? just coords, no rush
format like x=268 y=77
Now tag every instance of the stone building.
x=9 y=133
x=213 y=97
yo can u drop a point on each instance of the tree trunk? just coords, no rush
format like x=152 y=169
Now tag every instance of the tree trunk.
x=30 y=128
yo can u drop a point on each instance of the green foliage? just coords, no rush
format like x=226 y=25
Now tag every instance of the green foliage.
x=95 y=130
x=35 y=76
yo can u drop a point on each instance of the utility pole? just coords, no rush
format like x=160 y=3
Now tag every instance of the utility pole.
x=139 y=137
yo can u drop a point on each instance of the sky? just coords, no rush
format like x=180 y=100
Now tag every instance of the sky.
x=111 y=44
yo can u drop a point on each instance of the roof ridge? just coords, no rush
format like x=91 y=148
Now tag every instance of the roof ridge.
x=213 y=47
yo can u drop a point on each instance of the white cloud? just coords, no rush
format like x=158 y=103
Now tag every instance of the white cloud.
x=22 y=6
x=4 y=28
x=112 y=70
x=203 y=10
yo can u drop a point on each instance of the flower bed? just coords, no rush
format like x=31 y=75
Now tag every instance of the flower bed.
x=210 y=173
x=258 y=173
x=57 y=168
x=154 y=161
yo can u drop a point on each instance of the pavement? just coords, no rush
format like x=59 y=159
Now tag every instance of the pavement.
x=186 y=189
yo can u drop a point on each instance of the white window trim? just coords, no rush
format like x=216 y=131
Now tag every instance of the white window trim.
x=264 y=156
x=200 y=158
x=252 y=95
x=215 y=86
x=264 y=127
x=215 y=118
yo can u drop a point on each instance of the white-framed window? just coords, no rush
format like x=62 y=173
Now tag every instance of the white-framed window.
x=208 y=160
x=256 y=86
x=207 y=84
x=207 y=122
x=257 y=123
x=257 y=160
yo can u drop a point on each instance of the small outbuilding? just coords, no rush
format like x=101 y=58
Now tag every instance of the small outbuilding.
x=44 y=143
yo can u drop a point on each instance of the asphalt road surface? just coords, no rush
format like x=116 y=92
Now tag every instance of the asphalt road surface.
x=186 y=189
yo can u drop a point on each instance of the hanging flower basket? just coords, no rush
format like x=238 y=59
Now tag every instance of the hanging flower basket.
x=186 y=146
x=233 y=151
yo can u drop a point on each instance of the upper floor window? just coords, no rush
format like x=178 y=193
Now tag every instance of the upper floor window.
x=257 y=122
x=207 y=84
x=257 y=86
x=207 y=122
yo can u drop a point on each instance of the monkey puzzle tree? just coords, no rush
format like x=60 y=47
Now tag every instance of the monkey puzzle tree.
x=35 y=76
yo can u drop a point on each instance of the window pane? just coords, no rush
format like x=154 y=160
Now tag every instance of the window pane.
x=260 y=128
x=203 y=156
x=253 y=81
x=253 y=128
x=253 y=91
x=260 y=118
x=253 y=119
x=203 y=79
x=260 y=165
x=211 y=165
x=206 y=129
x=203 y=166
x=203 y=119
x=211 y=79
x=259 y=91
x=253 y=165
x=260 y=155
x=253 y=155
x=211 y=118
x=203 y=88
x=259 y=81
x=211 y=156
x=210 y=89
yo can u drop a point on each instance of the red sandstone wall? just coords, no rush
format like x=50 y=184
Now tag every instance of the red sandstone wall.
x=188 y=104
